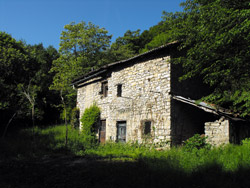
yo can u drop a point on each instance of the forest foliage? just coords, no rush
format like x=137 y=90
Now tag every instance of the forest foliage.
x=24 y=82
x=215 y=35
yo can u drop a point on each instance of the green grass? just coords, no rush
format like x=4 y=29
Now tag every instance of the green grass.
x=38 y=142
x=111 y=163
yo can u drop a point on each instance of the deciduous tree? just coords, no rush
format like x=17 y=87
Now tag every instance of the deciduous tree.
x=24 y=81
x=81 y=50
x=13 y=58
x=216 y=36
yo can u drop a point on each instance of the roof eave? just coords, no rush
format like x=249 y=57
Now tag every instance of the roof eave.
x=207 y=108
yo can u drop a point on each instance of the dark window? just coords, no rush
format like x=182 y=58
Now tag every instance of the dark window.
x=147 y=127
x=104 y=90
x=119 y=90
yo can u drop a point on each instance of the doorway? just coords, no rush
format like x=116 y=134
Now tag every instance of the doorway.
x=121 y=131
x=102 y=132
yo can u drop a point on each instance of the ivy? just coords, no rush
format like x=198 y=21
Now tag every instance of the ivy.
x=90 y=121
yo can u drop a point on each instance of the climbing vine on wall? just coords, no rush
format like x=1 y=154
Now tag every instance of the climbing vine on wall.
x=90 y=121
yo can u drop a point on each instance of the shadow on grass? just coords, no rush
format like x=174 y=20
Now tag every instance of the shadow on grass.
x=82 y=172
x=30 y=168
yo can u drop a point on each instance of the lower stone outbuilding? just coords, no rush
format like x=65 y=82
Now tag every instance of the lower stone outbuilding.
x=220 y=127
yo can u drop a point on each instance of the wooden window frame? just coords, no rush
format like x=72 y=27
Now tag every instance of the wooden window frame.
x=102 y=131
x=104 y=88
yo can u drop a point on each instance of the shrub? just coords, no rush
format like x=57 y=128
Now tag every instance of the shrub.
x=74 y=122
x=90 y=121
x=196 y=142
x=246 y=142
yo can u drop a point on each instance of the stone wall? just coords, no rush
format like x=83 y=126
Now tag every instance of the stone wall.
x=145 y=96
x=218 y=132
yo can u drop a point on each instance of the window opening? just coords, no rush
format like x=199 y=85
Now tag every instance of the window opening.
x=119 y=90
x=147 y=128
x=104 y=88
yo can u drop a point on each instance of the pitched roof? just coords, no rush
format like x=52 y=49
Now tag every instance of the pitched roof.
x=107 y=67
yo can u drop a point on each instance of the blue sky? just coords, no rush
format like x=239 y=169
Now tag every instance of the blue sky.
x=42 y=21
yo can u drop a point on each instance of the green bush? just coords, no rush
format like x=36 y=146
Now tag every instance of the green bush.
x=74 y=122
x=196 y=142
x=90 y=121
x=246 y=142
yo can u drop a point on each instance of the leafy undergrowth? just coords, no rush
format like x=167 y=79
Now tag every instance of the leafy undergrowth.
x=39 y=159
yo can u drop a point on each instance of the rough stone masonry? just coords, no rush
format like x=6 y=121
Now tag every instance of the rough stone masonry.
x=145 y=97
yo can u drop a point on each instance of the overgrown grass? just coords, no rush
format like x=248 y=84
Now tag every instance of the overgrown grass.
x=53 y=138
x=140 y=165
x=51 y=141
x=228 y=158
x=39 y=142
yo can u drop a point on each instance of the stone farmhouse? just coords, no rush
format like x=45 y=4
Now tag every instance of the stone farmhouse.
x=141 y=99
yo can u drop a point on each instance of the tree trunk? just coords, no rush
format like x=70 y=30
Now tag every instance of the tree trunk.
x=65 y=120
x=66 y=124
x=33 y=122
x=6 y=128
x=33 y=115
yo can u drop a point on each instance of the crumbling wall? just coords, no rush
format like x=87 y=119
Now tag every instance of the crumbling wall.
x=218 y=132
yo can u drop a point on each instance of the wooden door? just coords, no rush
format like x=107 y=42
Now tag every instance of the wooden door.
x=121 y=131
x=102 y=132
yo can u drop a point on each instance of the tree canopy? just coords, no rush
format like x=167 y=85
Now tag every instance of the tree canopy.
x=215 y=34
x=82 y=48
x=13 y=64
x=24 y=77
